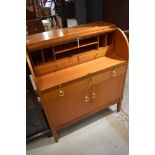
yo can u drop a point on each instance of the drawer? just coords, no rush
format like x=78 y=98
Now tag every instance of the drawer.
x=87 y=56
x=111 y=73
x=100 y=52
x=94 y=54
x=43 y=69
x=61 y=91
x=53 y=66
x=82 y=84
x=67 y=62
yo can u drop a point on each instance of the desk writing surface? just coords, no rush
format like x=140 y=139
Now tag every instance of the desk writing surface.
x=56 y=78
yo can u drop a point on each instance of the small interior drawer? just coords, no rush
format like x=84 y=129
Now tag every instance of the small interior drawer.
x=87 y=56
x=67 y=62
x=46 y=68
x=100 y=52
x=53 y=66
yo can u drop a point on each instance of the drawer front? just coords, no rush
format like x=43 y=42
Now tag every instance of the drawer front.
x=53 y=66
x=62 y=91
x=101 y=52
x=87 y=57
x=111 y=73
x=44 y=69
x=82 y=84
x=67 y=62
x=75 y=105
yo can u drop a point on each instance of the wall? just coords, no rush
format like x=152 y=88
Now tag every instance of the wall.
x=88 y=11
x=80 y=11
x=115 y=11
x=93 y=10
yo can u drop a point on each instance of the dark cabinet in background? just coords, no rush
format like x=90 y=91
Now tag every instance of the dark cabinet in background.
x=114 y=11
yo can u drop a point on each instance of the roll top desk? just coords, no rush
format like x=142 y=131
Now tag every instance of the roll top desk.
x=78 y=71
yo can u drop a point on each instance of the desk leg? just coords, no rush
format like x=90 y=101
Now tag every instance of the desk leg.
x=55 y=135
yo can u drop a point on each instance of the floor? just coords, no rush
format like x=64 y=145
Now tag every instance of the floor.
x=103 y=133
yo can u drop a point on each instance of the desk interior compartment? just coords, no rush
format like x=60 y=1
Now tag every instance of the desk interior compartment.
x=110 y=38
x=65 y=47
x=103 y=40
x=48 y=54
x=87 y=41
x=76 y=51
x=36 y=57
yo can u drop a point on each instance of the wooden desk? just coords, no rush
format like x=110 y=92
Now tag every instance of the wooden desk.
x=78 y=71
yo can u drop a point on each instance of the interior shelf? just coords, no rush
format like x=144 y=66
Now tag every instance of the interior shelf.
x=65 y=47
x=88 y=44
x=76 y=51
x=87 y=41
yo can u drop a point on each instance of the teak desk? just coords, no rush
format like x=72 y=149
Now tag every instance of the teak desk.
x=78 y=71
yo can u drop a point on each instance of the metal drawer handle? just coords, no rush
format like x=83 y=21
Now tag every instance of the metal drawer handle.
x=78 y=42
x=93 y=95
x=61 y=93
x=87 y=99
x=114 y=73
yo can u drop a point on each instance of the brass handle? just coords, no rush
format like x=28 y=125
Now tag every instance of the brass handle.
x=93 y=95
x=78 y=42
x=87 y=99
x=114 y=73
x=61 y=93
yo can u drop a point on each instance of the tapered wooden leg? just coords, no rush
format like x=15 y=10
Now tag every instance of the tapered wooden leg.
x=55 y=135
x=119 y=105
